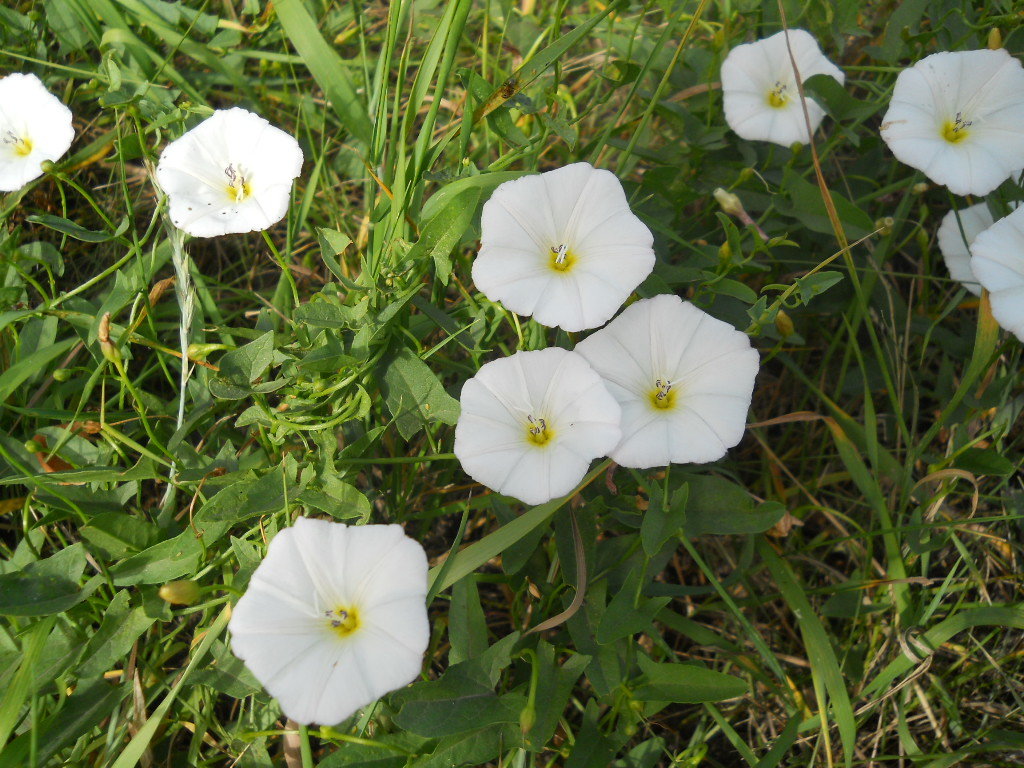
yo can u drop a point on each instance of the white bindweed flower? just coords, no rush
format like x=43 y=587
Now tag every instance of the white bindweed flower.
x=683 y=378
x=531 y=424
x=562 y=246
x=959 y=118
x=759 y=89
x=35 y=126
x=955 y=245
x=334 y=617
x=231 y=173
x=997 y=260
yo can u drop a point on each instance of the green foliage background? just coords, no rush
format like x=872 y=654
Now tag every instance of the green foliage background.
x=843 y=589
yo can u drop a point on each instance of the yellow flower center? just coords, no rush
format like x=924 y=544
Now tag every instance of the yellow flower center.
x=22 y=145
x=343 y=620
x=663 y=396
x=562 y=259
x=538 y=432
x=777 y=97
x=955 y=130
x=238 y=187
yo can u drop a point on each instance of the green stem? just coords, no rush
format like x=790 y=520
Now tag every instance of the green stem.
x=304 y=748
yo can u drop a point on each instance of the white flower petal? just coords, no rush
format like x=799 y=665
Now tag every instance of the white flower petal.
x=703 y=367
x=35 y=126
x=492 y=437
x=317 y=574
x=577 y=207
x=752 y=71
x=977 y=97
x=955 y=245
x=231 y=173
x=997 y=260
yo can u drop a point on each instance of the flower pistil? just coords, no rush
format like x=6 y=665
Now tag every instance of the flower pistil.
x=777 y=96
x=537 y=431
x=22 y=145
x=238 y=185
x=663 y=396
x=343 y=621
x=561 y=258
x=955 y=130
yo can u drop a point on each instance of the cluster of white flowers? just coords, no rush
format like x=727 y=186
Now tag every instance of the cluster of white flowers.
x=956 y=116
x=959 y=118
x=663 y=382
x=231 y=173
x=335 y=616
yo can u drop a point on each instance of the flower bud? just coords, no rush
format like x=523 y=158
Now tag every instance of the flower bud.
x=62 y=374
x=995 y=39
x=784 y=324
x=920 y=188
x=527 y=717
x=33 y=446
x=201 y=351
x=179 y=592
x=110 y=352
x=730 y=203
x=884 y=226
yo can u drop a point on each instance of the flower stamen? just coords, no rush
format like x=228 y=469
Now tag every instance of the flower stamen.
x=663 y=396
x=561 y=258
x=22 y=145
x=956 y=130
x=238 y=185
x=777 y=96
x=343 y=621
x=537 y=432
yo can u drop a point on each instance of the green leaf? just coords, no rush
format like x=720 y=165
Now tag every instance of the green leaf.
x=444 y=231
x=17 y=374
x=485 y=183
x=85 y=709
x=984 y=461
x=78 y=232
x=337 y=498
x=325 y=312
x=592 y=747
x=463 y=699
x=826 y=673
x=659 y=525
x=120 y=628
x=627 y=614
x=815 y=284
x=143 y=470
x=467 y=626
x=473 y=748
x=162 y=562
x=555 y=684
x=45 y=586
x=718 y=506
x=119 y=533
x=835 y=99
x=332 y=244
x=245 y=364
x=685 y=683
x=803 y=202
x=19 y=688
x=244 y=499
x=227 y=674
x=414 y=395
